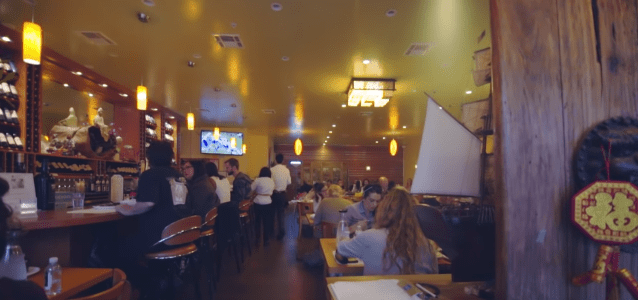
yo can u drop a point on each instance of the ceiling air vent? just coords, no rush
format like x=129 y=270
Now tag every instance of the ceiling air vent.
x=268 y=111
x=418 y=49
x=229 y=40
x=365 y=113
x=97 y=38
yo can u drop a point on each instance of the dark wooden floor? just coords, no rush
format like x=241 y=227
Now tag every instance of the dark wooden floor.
x=270 y=273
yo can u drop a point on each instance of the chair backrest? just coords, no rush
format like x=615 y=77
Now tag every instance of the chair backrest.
x=210 y=219
x=121 y=289
x=182 y=231
x=244 y=205
x=328 y=230
x=305 y=208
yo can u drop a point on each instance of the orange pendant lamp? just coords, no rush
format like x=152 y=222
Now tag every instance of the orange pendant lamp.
x=216 y=133
x=233 y=142
x=394 y=147
x=141 y=97
x=31 y=43
x=190 y=121
x=243 y=148
x=298 y=146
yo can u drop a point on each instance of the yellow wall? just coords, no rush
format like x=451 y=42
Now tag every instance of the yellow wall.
x=257 y=149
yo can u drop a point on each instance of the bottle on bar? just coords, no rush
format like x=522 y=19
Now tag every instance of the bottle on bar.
x=7 y=114
x=3 y=141
x=18 y=141
x=6 y=89
x=20 y=166
x=14 y=116
x=92 y=187
x=98 y=184
x=10 y=141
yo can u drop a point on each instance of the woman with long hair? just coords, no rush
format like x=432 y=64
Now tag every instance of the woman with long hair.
x=264 y=210
x=396 y=244
x=320 y=192
x=222 y=184
x=201 y=197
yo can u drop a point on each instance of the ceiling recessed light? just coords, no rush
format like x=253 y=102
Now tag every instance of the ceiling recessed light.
x=415 y=166
x=343 y=105
x=330 y=131
x=366 y=61
x=104 y=85
x=123 y=95
x=90 y=94
x=384 y=137
x=391 y=13
x=376 y=142
x=468 y=92
x=77 y=73
x=66 y=85
x=276 y=6
x=285 y=58
x=6 y=39
x=325 y=141
x=334 y=125
x=404 y=127
x=440 y=107
x=154 y=109
x=367 y=168
x=328 y=137
x=324 y=144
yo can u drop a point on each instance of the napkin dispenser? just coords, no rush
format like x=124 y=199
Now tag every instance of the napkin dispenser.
x=117 y=188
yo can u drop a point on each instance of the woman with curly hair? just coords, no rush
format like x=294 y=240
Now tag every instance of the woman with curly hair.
x=396 y=244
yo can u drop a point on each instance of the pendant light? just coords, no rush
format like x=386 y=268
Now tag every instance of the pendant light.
x=31 y=41
x=394 y=147
x=190 y=121
x=141 y=97
x=233 y=142
x=216 y=133
x=298 y=146
x=243 y=148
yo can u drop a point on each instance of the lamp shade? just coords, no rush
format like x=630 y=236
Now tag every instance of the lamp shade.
x=216 y=133
x=298 y=147
x=141 y=97
x=393 y=147
x=190 y=121
x=31 y=43
x=243 y=148
x=233 y=142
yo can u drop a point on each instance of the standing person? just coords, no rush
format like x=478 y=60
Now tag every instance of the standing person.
x=396 y=244
x=383 y=182
x=241 y=184
x=14 y=289
x=201 y=197
x=363 y=211
x=264 y=213
x=223 y=186
x=281 y=177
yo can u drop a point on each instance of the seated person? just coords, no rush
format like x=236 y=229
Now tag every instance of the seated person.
x=329 y=210
x=316 y=195
x=396 y=244
x=363 y=211
x=201 y=197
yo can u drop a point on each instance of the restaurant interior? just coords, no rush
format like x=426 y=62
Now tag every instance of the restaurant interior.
x=496 y=118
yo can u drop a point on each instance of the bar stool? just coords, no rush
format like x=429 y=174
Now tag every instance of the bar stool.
x=208 y=245
x=179 y=235
x=245 y=223
x=227 y=230
x=120 y=290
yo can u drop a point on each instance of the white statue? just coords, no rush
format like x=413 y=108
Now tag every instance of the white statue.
x=99 y=120
x=71 y=120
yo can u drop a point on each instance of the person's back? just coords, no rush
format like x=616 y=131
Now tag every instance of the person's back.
x=223 y=189
x=329 y=209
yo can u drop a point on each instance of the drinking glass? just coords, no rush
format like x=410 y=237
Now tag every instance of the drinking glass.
x=78 y=200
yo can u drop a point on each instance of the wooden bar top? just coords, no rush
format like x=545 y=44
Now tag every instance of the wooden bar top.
x=61 y=218
x=449 y=289
x=75 y=280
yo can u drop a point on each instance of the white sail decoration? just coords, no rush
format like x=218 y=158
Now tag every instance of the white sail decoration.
x=449 y=158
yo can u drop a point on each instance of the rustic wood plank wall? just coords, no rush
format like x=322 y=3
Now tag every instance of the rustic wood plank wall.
x=354 y=158
x=560 y=67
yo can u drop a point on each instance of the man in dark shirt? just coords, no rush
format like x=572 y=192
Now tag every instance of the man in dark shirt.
x=241 y=183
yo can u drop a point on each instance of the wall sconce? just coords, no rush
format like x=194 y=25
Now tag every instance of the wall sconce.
x=369 y=92
x=31 y=43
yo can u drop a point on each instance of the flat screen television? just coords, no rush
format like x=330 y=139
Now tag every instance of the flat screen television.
x=209 y=145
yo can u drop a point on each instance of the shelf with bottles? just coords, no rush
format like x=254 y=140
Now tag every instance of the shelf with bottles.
x=66 y=165
x=124 y=169
x=150 y=121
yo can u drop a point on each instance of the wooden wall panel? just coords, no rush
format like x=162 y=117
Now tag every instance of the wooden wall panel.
x=560 y=68
x=355 y=159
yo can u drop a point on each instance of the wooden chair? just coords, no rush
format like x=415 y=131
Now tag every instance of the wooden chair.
x=121 y=289
x=328 y=230
x=245 y=223
x=208 y=243
x=303 y=208
x=180 y=235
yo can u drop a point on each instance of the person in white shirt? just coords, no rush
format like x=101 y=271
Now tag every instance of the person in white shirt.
x=263 y=186
x=281 y=177
x=223 y=186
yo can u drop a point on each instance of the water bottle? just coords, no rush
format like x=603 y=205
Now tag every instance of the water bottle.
x=359 y=229
x=13 y=265
x=53 y=277
x=343 y=232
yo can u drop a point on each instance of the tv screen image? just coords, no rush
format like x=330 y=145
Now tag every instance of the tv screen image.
x=208 y=144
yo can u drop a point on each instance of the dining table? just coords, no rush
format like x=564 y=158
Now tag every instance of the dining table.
x=75 y=280
x=331 y=266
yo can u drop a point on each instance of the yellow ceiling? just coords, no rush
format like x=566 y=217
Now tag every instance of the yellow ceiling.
x=326 y=42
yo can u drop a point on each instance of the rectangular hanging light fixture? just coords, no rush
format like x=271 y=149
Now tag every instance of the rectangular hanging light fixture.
x=31 y=43
x=190 y=121
x=368 y=92
x=141 y=97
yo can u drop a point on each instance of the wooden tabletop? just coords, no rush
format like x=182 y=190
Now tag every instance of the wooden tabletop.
x=449 y=290
x=60 y=218
x=328 y=246
x=75 y=280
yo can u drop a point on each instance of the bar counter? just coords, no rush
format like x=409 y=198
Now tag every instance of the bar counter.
x=61 y=218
